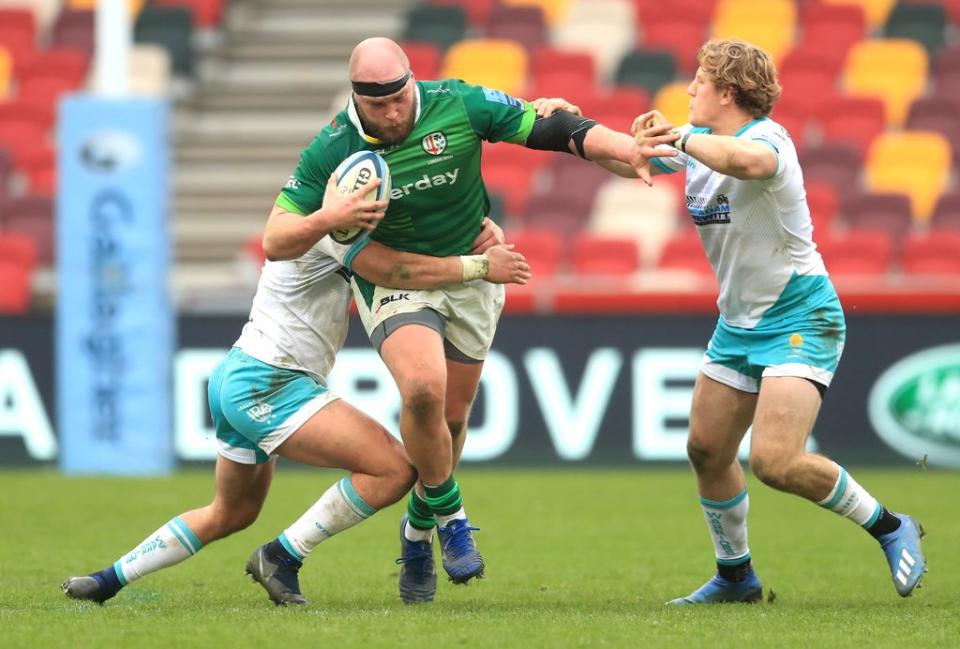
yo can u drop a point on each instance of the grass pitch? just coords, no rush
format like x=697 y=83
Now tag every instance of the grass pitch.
x=574 y=559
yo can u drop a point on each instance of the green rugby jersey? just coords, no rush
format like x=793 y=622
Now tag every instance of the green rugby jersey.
x=438 y=198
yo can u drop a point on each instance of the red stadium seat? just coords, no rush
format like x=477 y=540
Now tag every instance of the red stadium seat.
x=676 y=32
x=14 y=289
x=684 y=251
x=838 y=164
x=26 y=110
x=855 y=120
x=425 y=59
x=542 y=248
x=207 y=14
x=889 y=213
x=946 y=216
x=807 y=59
x=934 y=253
x=558 y=213
x=940 y=114
x=69 y=65
x=39 y=165
x=594 y=255
x=833 y=27
x=18 y=30
x=74 y=30
x=512 y=182
x=857 y=253
x=616 y=108
x=804 y=90
x=548 y=62
x=523 y=24
x=31 y=216
x=18 y=249
x=823 y=201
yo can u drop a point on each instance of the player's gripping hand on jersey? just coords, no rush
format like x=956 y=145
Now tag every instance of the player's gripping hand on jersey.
x=505 y=265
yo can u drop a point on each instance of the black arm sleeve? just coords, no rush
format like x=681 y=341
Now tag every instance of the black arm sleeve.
x=555 y=132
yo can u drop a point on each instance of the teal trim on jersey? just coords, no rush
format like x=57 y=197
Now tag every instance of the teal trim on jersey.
x=285 y=542
x=354 y=251
x=746 y=127
x=187 y=532
x=724 y=504
x=874 y=517
x=841 y=489
x=119 y=572
x=284 y=201
x=701 y=130
x=345 y=487
x=181 y=539
x=739 y=561
x=805 y=326
x=662 y=168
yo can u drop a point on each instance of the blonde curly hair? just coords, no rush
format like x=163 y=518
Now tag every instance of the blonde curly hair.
x=746 y=69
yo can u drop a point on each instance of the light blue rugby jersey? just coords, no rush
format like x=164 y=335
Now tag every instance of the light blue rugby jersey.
x=757 y=234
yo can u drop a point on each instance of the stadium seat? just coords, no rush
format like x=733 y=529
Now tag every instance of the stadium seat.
x=45 y=11
x=676 y=32
x=836 y=164
x=69 y=65
x=604 y=255
x=574 y=178
x=648 y=215
x=523 y=24
x=853 y=120
x=674 y=102
x=769 y=24
x=886 y=212
x=830 y=29
x=44 y=89
x=442 y=25
x=934 y=253
x=805 y=89
x=31 y=216
x=477 y=11
x=6 y=170
x=548 y=63
x=794 y=121
x=512 y=182
x=616 y=108
x=564 y=213
x=6 y=72
x=554 y=11
x=74 y=29
x=424 y=59
x=925 y=24
x=150 y=70
x=24 y=110
x=824 y=59
x=172 y=28
x=14 y=289
x=207 y=14
x=605 y=28
x=648 y=69
x=135 y=5
x=497 y=64
x=875 y=11
x=19 y=134
x=952 y=7
x=498 y=208
x=542 y=248
x=506 y=154
x=916 y=163
x=684 y=251
x=823 y=201
x=940 y=114
x=856 y=252
x=18 y=25
x=18 y=249
x=894 y=70
x=946 y=216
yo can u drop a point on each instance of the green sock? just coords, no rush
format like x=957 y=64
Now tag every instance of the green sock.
x=418 y=513
x=445 y=499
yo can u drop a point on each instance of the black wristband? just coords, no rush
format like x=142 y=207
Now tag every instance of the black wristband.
x=683 y=141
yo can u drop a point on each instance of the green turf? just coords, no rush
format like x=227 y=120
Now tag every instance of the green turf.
x=575 y=558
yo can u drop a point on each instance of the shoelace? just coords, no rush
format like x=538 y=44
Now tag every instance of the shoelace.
x=454 y=536
x=420 y=553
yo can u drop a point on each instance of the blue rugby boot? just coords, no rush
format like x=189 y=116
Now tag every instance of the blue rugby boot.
x=905 y=554
x=418 y=572
x=461 y=559
x=277 y=574
x=719 y=590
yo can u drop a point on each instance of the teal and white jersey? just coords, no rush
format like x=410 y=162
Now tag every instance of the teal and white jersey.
x=757 y=234
x=299 y=316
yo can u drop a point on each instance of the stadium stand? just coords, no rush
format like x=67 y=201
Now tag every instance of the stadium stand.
x=856 y=252
x=769 y=24
x=605 y=28
x=926 y=24
x=523 y=24
x=172 y=28
x=648 y=69
x=604 y=255
x=646 y=215
x=932 y=254
x=893 y=69
x=553 y=10
x=442 y=25
x=496 y=63
x=885 y=212
x=916 y=163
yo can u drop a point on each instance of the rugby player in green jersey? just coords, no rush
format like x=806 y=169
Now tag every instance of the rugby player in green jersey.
x=430 y=133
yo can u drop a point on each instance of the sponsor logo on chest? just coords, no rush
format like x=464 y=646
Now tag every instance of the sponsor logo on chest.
x=425 y=182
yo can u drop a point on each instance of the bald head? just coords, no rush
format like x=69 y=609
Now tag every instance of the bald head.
x=378 y=60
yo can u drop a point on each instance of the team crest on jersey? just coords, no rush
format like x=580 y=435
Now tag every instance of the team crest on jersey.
x=435 y=143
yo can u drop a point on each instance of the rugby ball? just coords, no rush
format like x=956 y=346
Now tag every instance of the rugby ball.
x=353 y=174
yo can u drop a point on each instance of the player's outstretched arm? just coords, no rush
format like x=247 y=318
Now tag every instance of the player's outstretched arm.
x=384 y=266
x=732 y=156
x=289 y=235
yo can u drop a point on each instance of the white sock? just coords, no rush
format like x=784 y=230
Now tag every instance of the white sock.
x=166 y=547
x=415 y=534
x=339 y=508
x=442 y=520
x=727 y=522
x=849 y=499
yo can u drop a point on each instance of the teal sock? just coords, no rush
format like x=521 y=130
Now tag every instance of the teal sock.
x=445 y=499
